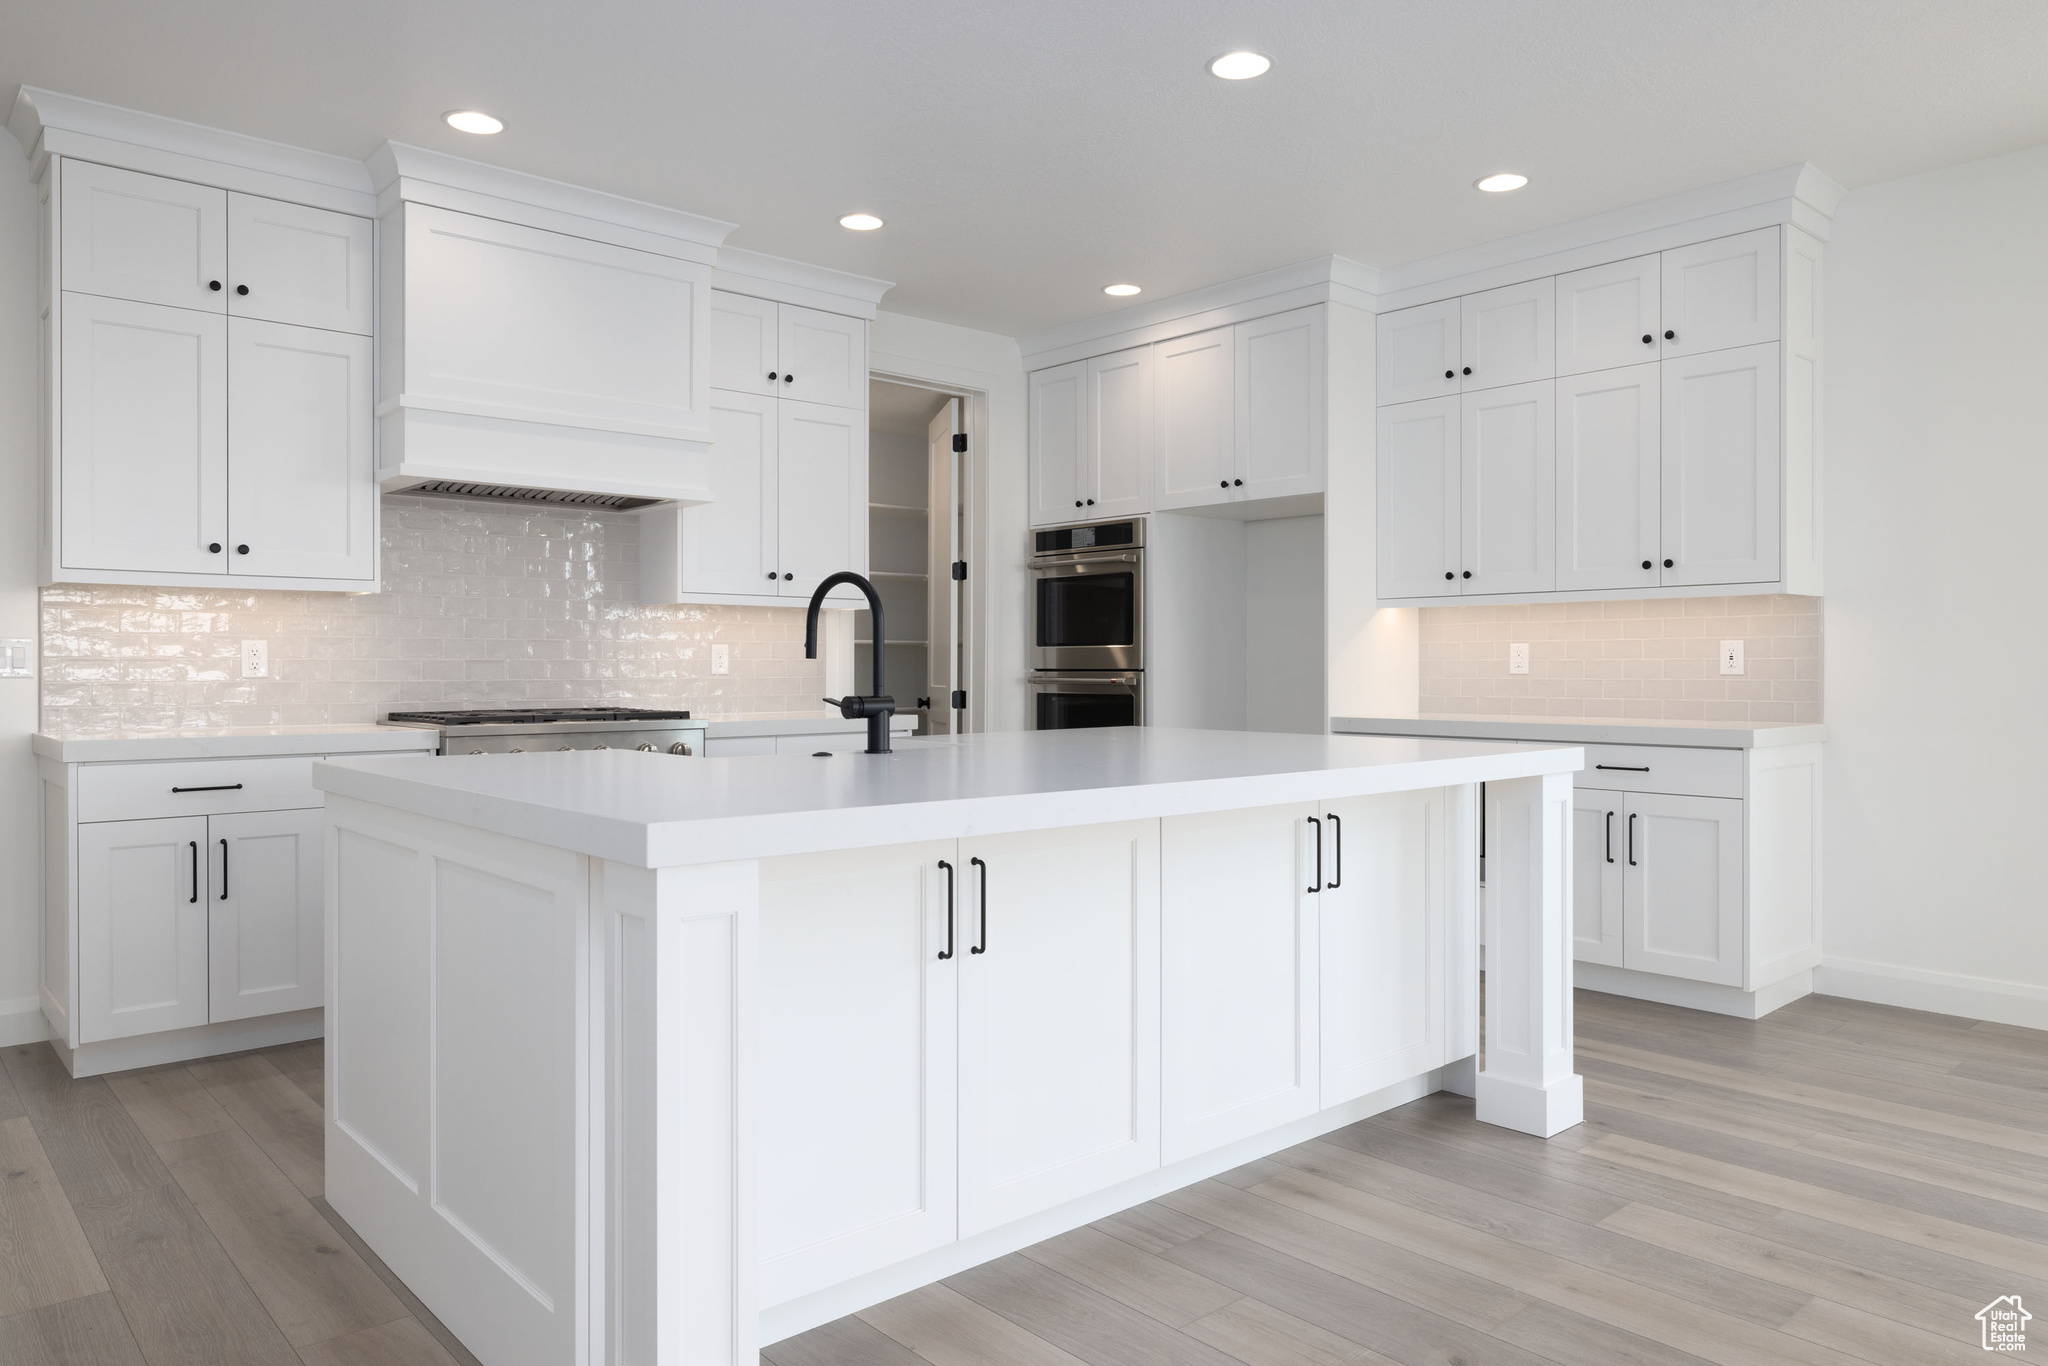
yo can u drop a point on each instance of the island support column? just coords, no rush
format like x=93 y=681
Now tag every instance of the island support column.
x=1527 y=1082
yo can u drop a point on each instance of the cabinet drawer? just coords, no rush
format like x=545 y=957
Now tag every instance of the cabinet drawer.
x=127 y=792
x=1662 y=768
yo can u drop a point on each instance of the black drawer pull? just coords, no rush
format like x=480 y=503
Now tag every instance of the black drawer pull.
x=1319 y=854
x=195 y=868
x=1337 y=838
x=1632 y=839
x=1624 y=768
x=223 y=870
x=216 y=787
x=1610 y=837
x=982 y=947
x=949 y=910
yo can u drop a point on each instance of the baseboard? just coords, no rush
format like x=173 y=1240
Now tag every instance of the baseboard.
x=1678 y=991
x=22 y=1022
x=1943 y=993
x=187 y=1045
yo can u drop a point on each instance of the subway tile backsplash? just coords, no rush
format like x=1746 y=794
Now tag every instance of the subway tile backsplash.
x=483 y=605
x=1640 y=659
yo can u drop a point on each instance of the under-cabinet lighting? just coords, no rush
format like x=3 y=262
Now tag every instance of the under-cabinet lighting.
x=860 y=222
x=1122 y=291
x=1240 y=66
x=1502 y=183
x=472 y=121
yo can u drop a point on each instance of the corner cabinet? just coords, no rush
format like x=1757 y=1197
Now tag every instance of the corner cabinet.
x=209 y=393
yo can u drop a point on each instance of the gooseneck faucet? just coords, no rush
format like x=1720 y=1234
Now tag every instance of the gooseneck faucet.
x=878 y=707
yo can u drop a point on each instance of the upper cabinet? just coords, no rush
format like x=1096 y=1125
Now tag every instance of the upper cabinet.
x=142 y=237
x=1722 y=293
x=291 y=264
x=1059 y=441
x=1508 y=335
x=1419 y=353
x=762 y=347
x=1116 y=478
x=1609 y=316
x=1196 y=428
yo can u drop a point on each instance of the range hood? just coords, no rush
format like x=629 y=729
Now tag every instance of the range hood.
x=501 y=493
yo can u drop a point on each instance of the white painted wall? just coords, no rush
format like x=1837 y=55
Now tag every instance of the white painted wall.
x=1283 y=610
x=1937 y=669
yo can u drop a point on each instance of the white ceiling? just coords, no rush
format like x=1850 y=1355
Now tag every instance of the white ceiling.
x=1026 y=154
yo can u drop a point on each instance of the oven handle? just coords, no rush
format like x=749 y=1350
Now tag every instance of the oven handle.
x=1046 y=676
x=1041 y=565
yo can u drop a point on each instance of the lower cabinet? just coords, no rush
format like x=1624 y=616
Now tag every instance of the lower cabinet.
x=1657 y=883
x=265 y=949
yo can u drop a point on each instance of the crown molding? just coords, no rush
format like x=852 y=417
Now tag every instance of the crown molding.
x=793 y=282
x=400 y=172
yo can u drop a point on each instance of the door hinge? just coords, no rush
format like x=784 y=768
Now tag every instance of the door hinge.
x=960 y=571
x=959 y=699
x=959 y=442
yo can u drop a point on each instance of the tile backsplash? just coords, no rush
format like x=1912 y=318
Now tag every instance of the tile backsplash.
x=482 y=605
x=1656 y=659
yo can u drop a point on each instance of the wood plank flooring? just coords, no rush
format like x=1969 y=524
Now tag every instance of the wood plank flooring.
x=1840 y=1184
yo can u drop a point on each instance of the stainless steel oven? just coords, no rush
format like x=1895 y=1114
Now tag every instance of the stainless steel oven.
x=1075 y=701
x=1088 y=597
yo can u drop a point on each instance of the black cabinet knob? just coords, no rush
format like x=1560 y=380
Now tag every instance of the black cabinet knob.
x=1646 y=564
x=1649 y=340
x=789 y=379
x=1091 y=502
x=1450 y=374
x=789 y=576
x=241 y=550
x=1667 y=564
x=1468 y=369
x=773 y=375
x=1468 y=573
x=213 y=285
x=1077 y=502
x=213 y=549
x=1670 y=336
x=1449 y=575
x=1237 y=483
x=771 y=574
x=1222 y=483
x=241 y=289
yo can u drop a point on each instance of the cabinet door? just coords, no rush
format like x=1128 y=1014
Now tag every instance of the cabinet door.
x=1116 y=467
x=1509 y=443
x=1683 y=912
x=1238 y=976
x=1721 y=293
x=1389 y=892
x=1598 y=832
x=1059 y=442
x=264 y=936
x=302 y=492
x=145 y=460
x=824 y=356
x=1419 y=353
x=1059 y=1017
x=1609 y=316
x=743 y=342
x=856 y=1063
x=728 y=544
x=1609 y=515
x=1281 y=411
x=142 y=237
x=288 y=263
x=1195 y=429
x=1509 y=335
x=1420 y=518
x=821 y=483
x=142 y=889
x=1721 y=458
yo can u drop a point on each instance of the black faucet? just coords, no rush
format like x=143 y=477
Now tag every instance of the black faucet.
x=879 y=707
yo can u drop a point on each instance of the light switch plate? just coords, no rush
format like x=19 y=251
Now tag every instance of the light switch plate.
x=721 y=659
x=255 y=659
x=1731 y=656
x=1518 y=659
x=17 y=658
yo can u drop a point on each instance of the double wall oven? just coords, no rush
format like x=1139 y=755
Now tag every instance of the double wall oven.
x=1088 y=626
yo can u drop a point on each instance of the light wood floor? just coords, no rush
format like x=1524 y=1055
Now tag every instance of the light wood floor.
x=1838 y=1185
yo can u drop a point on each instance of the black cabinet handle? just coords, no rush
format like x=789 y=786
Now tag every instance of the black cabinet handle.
x=1624 y=768
x=223 y=870
x=1222 y=483
x=1319 y=853
x=1648 y=340
x=789 y=379
x=1631 y=839
x=1077 y=502
x=213 y=547
x=949 y=910
x=1646 y=564
x=1091 y=502
x=982 y=947
x=1449 y=575
x=242 y=290
x=215 y=787
x=1237 y=483
x=1468 y=573
x=1468 y=369
x=1610 y=837
x=1670 y=335
x=1667 y=564
x=1337 y=838
x=771 y=574
x=787 y=577
x=213 y=285
x=241 y=550
x=195 y=868
x=773 y=375
x=1450 y=374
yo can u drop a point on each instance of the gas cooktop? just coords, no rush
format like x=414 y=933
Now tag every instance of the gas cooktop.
x=519 y=716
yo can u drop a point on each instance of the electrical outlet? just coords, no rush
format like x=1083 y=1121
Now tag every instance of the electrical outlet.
x=721 y=659
x=255 y=659
x=17 y=658
x=1731 y=656
x=1518 y=659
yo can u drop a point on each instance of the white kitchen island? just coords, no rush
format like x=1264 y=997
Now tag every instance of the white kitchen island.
x=633 y=1060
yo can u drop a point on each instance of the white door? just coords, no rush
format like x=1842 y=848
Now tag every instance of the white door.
x=1390 y=888
x=264 y=918
x=1059 y=442
x=1599 y=830
x=288 y=263
x=142 y=237
x=1683 y=912
x=728 y=544
x=821 y=478
x=1508 y=335
x=1509 y=485
x=142 y=889
x=1609 y=514
x=1059 y=1017
x=942 y=590
x=1421 y=521
x=1419 y=353
x=1281 y=412
x=302 y=492
x=743 y=342
x=144 y=481
x=1195 y=428
x=1721 y=293
x=1721 y=467
x=855 y=1057
x=824 y=356
x=1238 y=976
x=1609 y=316
x=1116 y=463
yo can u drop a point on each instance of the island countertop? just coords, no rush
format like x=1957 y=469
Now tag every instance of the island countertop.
x=655 y=811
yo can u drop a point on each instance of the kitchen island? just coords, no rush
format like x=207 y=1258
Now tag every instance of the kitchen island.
x=636 y=1061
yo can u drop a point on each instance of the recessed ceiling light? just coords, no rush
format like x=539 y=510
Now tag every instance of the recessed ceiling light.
x=860 y=222
x=1122 y=291
x=472 y=121
x=1240 y=66
x=1502 y=183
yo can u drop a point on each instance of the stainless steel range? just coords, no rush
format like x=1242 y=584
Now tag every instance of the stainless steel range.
x=523 y=730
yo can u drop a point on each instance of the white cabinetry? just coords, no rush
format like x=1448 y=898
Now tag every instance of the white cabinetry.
x=1598 y=820
x=1508 y=483
x=1508 y=335
x=1609 y=507
x=142 y=910
x=1419 y=353
x=1682 y=913
x=1420 y=504
x=1059 y=441
x=759 y=346
x=1196 y=428
x=263 y=912
x=1722 y=293
x=1281 y=409
x=1115 y=473
x=127 y=235
x=288 y=263
x=821 y=483
x=1609 y=316
x=1722 y=458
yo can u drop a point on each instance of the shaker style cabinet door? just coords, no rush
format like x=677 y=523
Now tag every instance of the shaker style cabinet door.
x=1280 y=405
x=1508 y=437
x=1059 y=442
x=266 y=945
x=1116 y=465
x=1721 y=458
x=1420 y=517
x=1609 y=509
x=288 y=263
x=1609 y=316
x=821 y=476
x=729 y=544
x=1419 y=353
x=1508 y=335
x=1721 y=293
x=127 y=235
x=824 y=356
x=1194 y=430
x=1684 y=872
x=743 y=342
x=142 y=911
x=1599 y=821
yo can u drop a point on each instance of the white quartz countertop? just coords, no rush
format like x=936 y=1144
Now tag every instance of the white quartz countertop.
x=1565 y=731
x=654 y=811
x=242 y=742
